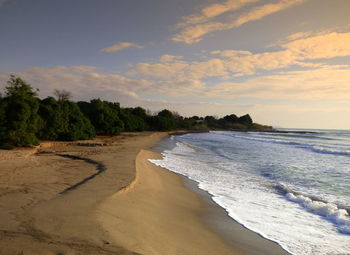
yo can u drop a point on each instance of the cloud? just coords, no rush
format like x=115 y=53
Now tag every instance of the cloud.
x=260 y=12
x=84 y=82
x=328 y=45
x=121 y=46
x=169 y=58
x=213 y=10
x=227 y=64
x=327 y=82
x=298 y=35
x=296 y=52
x=214 y=76
x=190 y=34
x=180 y=70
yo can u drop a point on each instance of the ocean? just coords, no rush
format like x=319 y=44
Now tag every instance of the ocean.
x=292 y=188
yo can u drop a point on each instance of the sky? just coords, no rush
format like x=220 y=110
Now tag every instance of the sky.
x=285 y=62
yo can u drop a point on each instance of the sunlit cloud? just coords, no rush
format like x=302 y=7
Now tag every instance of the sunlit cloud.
x=298 y=35
x=328 y=82
x=233 y=63
x=180 y=70
x=84 y=82
x=194 y=32
x=169 y=58
x=121 y=46
x=174 y=76
x=321 y=46
x=213 y=10
x=260 y=12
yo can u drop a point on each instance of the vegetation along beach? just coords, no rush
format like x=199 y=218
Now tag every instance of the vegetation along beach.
x=175 y=127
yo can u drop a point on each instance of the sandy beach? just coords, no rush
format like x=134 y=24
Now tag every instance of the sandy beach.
x=105 y=197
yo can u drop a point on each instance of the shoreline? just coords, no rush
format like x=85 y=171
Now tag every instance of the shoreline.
x=209 y=219
x=233 y=232
x=38 y=218
x=219 y=221
x=157 y=214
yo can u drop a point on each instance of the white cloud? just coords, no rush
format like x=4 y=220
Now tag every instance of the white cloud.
x=190 y=34
x=121 y=46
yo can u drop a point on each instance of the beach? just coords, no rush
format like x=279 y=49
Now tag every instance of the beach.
x=105 y=197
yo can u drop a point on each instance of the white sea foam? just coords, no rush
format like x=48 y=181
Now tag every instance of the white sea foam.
x=331 y=211
x=223 y=167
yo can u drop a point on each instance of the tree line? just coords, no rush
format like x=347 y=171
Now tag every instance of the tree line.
x=25 y=119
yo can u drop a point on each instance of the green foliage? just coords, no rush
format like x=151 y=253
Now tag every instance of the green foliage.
x=134 y=119
x=104 y=116
x=245 y=119
x=63 y=120
x=77 y=126
x=163 y=121
x=7 y=146
x=19 y=118
x=230 y=122
x=53 y=122
x=231 y=118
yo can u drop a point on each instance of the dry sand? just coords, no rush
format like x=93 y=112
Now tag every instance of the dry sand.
x=36 y=218
x=76 y=199
x=157 y=215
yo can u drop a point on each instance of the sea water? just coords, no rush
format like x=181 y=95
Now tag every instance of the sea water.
x=292 y=188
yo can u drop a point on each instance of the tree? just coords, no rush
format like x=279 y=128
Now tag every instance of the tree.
x=62 y=95
x=134 y=119
x=104 y=116
x=164 y=121
x=231 y=118
x=245 y=119
x=76 y=125
x=63 y=120
x=19 y=119
x=53 y=122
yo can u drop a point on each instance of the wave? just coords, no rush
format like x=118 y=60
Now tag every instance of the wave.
x=320 y=149
x=330 y=211
x=308 y=146
x=294 y=136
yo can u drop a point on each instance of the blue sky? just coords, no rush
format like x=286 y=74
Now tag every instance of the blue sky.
x=286 y=62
